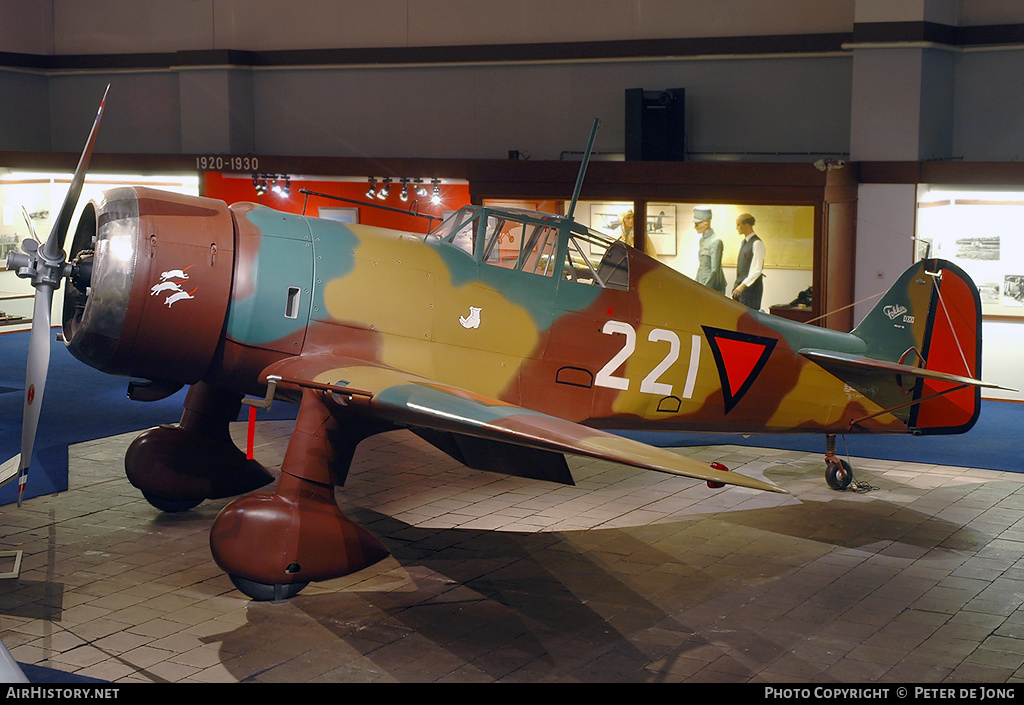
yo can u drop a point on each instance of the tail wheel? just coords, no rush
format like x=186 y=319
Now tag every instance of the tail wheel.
x=838 y=474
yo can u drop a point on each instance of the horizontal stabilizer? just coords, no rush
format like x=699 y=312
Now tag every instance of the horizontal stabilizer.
x=843 y=364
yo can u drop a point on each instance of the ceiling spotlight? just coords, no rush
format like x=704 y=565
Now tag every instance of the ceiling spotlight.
x=420 y=191
x=279 y=184
x=383 y=193
x=371 y=192
x=405 y=190
x=281 y=189
x=435 y=197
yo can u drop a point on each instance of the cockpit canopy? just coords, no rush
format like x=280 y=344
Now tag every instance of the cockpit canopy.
x=540 y=244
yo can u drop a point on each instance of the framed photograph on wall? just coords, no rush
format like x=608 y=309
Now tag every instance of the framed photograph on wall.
x=662 y=229
x=981 y=233
x=614 y=220
x=341 y=215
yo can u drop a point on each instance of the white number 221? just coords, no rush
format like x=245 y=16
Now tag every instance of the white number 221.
x=650 y=383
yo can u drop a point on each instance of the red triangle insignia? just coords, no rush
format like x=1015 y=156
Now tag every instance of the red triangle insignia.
x=740 y=357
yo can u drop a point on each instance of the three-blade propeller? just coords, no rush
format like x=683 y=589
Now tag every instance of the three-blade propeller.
x=45 y=265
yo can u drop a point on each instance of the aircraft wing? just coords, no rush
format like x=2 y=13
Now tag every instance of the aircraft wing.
x=415 y=401
x=9 y=470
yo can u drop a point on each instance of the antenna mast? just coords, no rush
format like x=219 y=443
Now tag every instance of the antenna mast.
x=583 y=169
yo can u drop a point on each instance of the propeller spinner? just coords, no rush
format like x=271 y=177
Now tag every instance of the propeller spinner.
x=45 y=265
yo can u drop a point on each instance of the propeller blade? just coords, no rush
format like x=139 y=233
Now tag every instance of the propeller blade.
x=28 y=222
x=45 y=264
x=35 y=380
x=54 y=245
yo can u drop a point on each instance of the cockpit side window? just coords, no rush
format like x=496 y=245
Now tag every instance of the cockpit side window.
x=464 y=238
x=540 y=250
x=531 y=242
x=514 y=244
x=459 y=231
x=613 y=269
x=591 y=259
x=502 y=240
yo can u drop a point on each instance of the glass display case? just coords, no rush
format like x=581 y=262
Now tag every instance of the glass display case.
x=669 y=235
x=982 y=231
x=29 y=200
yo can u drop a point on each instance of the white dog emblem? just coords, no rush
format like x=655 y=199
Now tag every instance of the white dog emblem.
x=472 y=320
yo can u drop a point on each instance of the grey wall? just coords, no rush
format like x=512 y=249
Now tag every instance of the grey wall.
x=755 y=108
x=25 y=111
x=129 y=26
x=740 y=106
x=989 y=112
x=769 y=105
x=143 y=112
x=746 y=105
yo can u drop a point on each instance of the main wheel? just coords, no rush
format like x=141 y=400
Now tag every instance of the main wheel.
x=172 y=505
x=838 y=474
x=261 y=592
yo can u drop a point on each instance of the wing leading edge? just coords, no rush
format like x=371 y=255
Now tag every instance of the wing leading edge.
x=418 y=402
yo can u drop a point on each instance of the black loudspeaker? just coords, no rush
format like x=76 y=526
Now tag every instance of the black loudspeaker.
x=655 y=127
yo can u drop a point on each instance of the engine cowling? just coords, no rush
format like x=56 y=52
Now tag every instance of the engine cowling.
x=149 y=284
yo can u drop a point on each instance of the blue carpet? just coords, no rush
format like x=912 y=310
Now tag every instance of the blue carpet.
x=79 y=404
x=991 y=444
x=41 y=674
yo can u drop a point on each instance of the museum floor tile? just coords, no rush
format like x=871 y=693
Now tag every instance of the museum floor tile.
x=628 y=576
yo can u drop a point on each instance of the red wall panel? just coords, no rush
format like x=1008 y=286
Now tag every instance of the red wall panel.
x=235 y=189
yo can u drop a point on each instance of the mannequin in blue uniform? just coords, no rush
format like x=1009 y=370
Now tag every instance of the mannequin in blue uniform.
x=709 y=269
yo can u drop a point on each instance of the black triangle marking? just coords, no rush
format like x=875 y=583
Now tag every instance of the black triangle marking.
x=732 y=397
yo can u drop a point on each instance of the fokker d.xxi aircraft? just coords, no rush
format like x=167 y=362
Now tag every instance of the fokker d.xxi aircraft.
x=506 y=338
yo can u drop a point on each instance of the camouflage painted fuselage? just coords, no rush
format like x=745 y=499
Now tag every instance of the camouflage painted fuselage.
x=662 y=353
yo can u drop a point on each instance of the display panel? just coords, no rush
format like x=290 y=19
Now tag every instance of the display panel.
x=788 y=231
x=41 y=195
x=614 y=219
x=406 y=205
x=670 y=236
x=982 y=231
x=341 y=215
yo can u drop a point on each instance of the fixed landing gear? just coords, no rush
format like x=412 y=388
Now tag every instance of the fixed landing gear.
x=177 y=467
x=171 y=506
x=838 y=473
x=261 y=592
x=273 y=544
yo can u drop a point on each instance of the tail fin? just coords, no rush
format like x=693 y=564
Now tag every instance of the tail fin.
x=931 y=318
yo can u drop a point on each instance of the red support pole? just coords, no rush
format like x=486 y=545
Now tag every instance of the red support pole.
x=250 y=439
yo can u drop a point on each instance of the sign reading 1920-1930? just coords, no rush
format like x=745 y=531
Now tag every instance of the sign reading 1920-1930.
x=227 y=162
